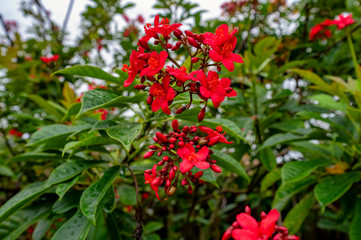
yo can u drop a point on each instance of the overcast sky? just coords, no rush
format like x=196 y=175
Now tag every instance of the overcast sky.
x=10 y=10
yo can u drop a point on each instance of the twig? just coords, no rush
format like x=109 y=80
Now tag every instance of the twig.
x=6 y=30
x=138 y=211
x=66 y=19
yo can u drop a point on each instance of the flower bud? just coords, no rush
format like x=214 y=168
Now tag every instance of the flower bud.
x=193 y=42
x=153 y=147
x=161 y=137
x=198 y=174
x=190 y=189
x=201 y=37
x=165 y=158
x=235 y=224
x=140 y=86
x=171 y=174
x=148 y=154
x=263 y=215
x=175 y=125
x=193 y=129
x=175 y=48
x=175 y=168
x=172 y=140
x=156 y=42
x=159 y=153
x=143 y=44
x=186 y=129
x=169 y=46
x=247 y=210
x=142 y=79
x=149 y=100
x=170 y=191
x=180 y=110
x=214 y=140
x=212 y=161
x=171 y=146
x=216 y=169
x=219 y=68
x=228 y=234
x=184 y=182
x=181 y=144
x=194 y=59
x=228 y=89
x=164 y=148
x=160 y=163
x=189 y=33
x=201 y=115
x=178 y=34
x=168 y=182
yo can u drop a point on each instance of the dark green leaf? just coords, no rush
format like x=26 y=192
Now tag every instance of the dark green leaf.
x=208 y=175
x=89 y=141
x=63 y=188
x=271 y=178
x=6 y=171
x=41 y=228
x=230 y=127
x=280 y=138
x=268 y=158
x=125 y=133
x=355 y=230
x=127 y=195
x=70 y=201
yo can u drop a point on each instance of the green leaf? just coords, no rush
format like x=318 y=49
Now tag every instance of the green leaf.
x=89 y=141
x=102 y=125
x=298 y=214
x=293 y=126
x=326 y=101
x=229 y=163
x=21 y=199
x=41 y=228
x=271 y=178
x=89 y=71
x=102 y=98
x=333 y=187
x=6 y=171
x=29 y=216
x=70 y=201
x=288 y=190
x=142 y=165
x=280 y=138
x=51 y=132
x=69 y=170
x=125 y=133
x=355 y=230
x=152 y=227
x=266 y=47
x=76 y=228
x=268 y=158
x=296 y=170
x=50 y=107
x=312 y=77
x=34 y=156
x=230 y=127
x=127 y=195
x=208 y=175
x=63 y=188
x=93 y=195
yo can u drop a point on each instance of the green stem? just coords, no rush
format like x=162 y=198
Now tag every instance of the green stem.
x=354 y=59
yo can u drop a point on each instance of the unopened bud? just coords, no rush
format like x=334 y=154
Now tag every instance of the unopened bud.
x=172 y=140
x=175 y=125
x=247 y=210
x=169 y=46
x=178 y=34
x=168 y=182
x=153 y=147
x=201 y=115
x=165 y=158
x=189 y=33
x=160 y=163
x=161 y=137
x=184 y=182
x=193 y=129
x=194 y=59
x=140 y=86
x=156 y=181
x=193 y=42
x=143 y=44
x=181 y=144
x=214 y=140
x=190 y=189
x=219 y=68
x=171 y=174
x=198 y=174
x=216 y=169
x=180 y=110
x=263 y=215
x=149 y=100
x=148 y=154
x=228 y=89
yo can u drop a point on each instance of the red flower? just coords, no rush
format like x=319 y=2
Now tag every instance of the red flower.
x=179 y=73
x=252 y=230
x=153 y=180
x=223 y=43
x=321 y=31
x=15 y=132
x=156 y=63
x=212 y=87
x=191 y=158
x=215 y=134
x=48 y=60
x=162 y=94
x=162 y=28
x=136 y=66
x=343 y=21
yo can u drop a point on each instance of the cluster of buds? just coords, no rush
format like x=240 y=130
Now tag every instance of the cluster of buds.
x=50 y=59
x=321 y=31
x=206 y=50
x=132 y=28
x=183 y=150
x=15 y=132
x=246 y=227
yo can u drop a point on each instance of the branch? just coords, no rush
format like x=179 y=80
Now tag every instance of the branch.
x=66 y=19
x=6 y=30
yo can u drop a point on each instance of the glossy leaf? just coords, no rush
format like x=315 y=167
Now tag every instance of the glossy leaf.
x=94 y=194
x=226 y=161
x=41 y=228
x=230 y=127
x=355 y=230
x=208 y=175
x=296 y=170
x=64 y=187
x=297 y=215
x=279 y=139
x=125 y=133
x=89 y=71
x=268 y=158
x=70 y=201
x=89 y=141
x=76 y=228
x=271 y=178
x=333 y=187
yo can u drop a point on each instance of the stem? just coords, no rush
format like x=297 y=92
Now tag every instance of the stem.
x=354 y=59
x=67 y=16
x=174 y=61
x=6 y=30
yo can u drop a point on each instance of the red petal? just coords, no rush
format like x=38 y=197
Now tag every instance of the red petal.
x=236 y=58
x=185 y=166
x=247 y=222
x=156 y=104
x=227 y=62
x=268 y=224
x=185 y=151
x=242 y=234
x=225 y=82
x=203 y=153
x=205 y=92
x=202 y=165
x=215 y=56
x=171 y=94
x=217 y=98
x=165 y=107
x=232 y=94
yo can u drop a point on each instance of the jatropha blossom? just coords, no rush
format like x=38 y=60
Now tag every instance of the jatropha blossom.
x=343 y=21
x=247 y=228
x=183 y=151
x=164 y=78
x=48 y=60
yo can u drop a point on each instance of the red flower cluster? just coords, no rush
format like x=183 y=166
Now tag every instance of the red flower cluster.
x=48 y=60
x=247 y=228
x=321 y=31
x=165 y=84
x=182 y=153
x=15 y=132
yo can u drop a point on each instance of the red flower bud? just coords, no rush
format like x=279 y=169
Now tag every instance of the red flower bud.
x=153 y=147
x=186 y=129
x=193 y=129
x=148 y=154
x=159 y=153
x=184 y=182
x=235 y=224
x=175 y=125
x=140 y=87
x=171 y=174
x=213 y=141
x=169 y=46
x=172 y=140
x=212 y=161
x=161 y=137
x=201 y=37
x=190 y=189
x=194 y=59
x=175 y=168
x=156 y=181
x=178 y=34
x=201 y=115
x=189 y=33
x=228 y=89
x=247 y=210
x=219 y=68
x=180 y=110
x=175 y=48
x=171 y=146
x=263 y=215
x=165 y=158
x=168 y=182
x=228 y=234
x=193 y=42
x=149 y=100
x=156 y=42
x=198 y=174
x=216 y=169
x=143 y=44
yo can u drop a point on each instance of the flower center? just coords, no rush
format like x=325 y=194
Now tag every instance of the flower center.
x=213 y=84
x=153 y=62
x=158 y=92
x=193 y=157
x=226 y=49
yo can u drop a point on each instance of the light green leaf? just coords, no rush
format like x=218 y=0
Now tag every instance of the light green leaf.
x=333 y=187
x=268 y=158
x=271 y=178
x=296 y=170
x=49 y=106
x=89 y=71
x=76 y=228
x=93 y=195
x=312 y=77
x=6 y=171
x=326 y=101
x=280 y=138
x=298 y=214
x=229 y=163
x=41 y=228
x=125 y=133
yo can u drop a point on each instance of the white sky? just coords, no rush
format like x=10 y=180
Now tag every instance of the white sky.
x=10 y=11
